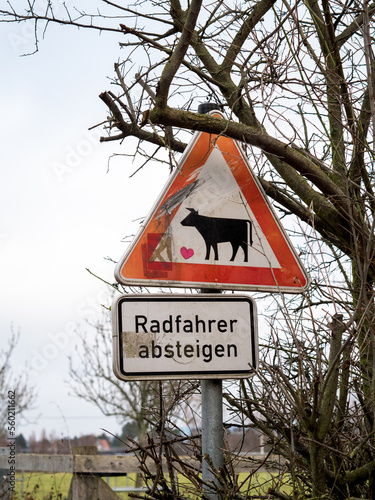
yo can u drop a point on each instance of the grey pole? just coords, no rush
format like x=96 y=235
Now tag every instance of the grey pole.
x=212 y=405
x=212 y=432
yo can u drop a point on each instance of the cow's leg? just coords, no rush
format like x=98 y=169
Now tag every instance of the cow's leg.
x=214 y=246
x=234 y=251
x=208 y=248
x=244 y=248
x=251 y=232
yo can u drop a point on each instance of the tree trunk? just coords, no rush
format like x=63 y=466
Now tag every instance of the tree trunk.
x=319 y=484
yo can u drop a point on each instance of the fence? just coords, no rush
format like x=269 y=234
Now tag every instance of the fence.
x=88 y=469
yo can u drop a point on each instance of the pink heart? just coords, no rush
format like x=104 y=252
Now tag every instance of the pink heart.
x=187 y=252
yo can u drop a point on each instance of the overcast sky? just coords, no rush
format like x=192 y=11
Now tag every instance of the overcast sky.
x=62 y=210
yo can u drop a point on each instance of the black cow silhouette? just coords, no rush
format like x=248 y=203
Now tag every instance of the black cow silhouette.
x=216 y=230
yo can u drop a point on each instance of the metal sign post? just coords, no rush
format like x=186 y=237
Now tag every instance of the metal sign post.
x=212 y=433
x=212 y=429
x=212 y=227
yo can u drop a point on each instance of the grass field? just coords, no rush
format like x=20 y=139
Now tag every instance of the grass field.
x=43 y=486
x=40 y=486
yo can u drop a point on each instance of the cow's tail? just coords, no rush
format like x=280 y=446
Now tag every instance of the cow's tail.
x=250 y=232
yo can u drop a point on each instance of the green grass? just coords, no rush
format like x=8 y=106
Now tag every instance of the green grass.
x=42 y=486
x=46 y=486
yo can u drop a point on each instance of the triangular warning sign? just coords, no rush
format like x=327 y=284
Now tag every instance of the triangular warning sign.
x=213 y=227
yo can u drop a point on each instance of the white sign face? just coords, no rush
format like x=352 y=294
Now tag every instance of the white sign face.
x=184 y=336
x=217 y=195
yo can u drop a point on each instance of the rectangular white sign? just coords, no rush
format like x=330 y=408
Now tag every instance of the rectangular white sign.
x=177 y=336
